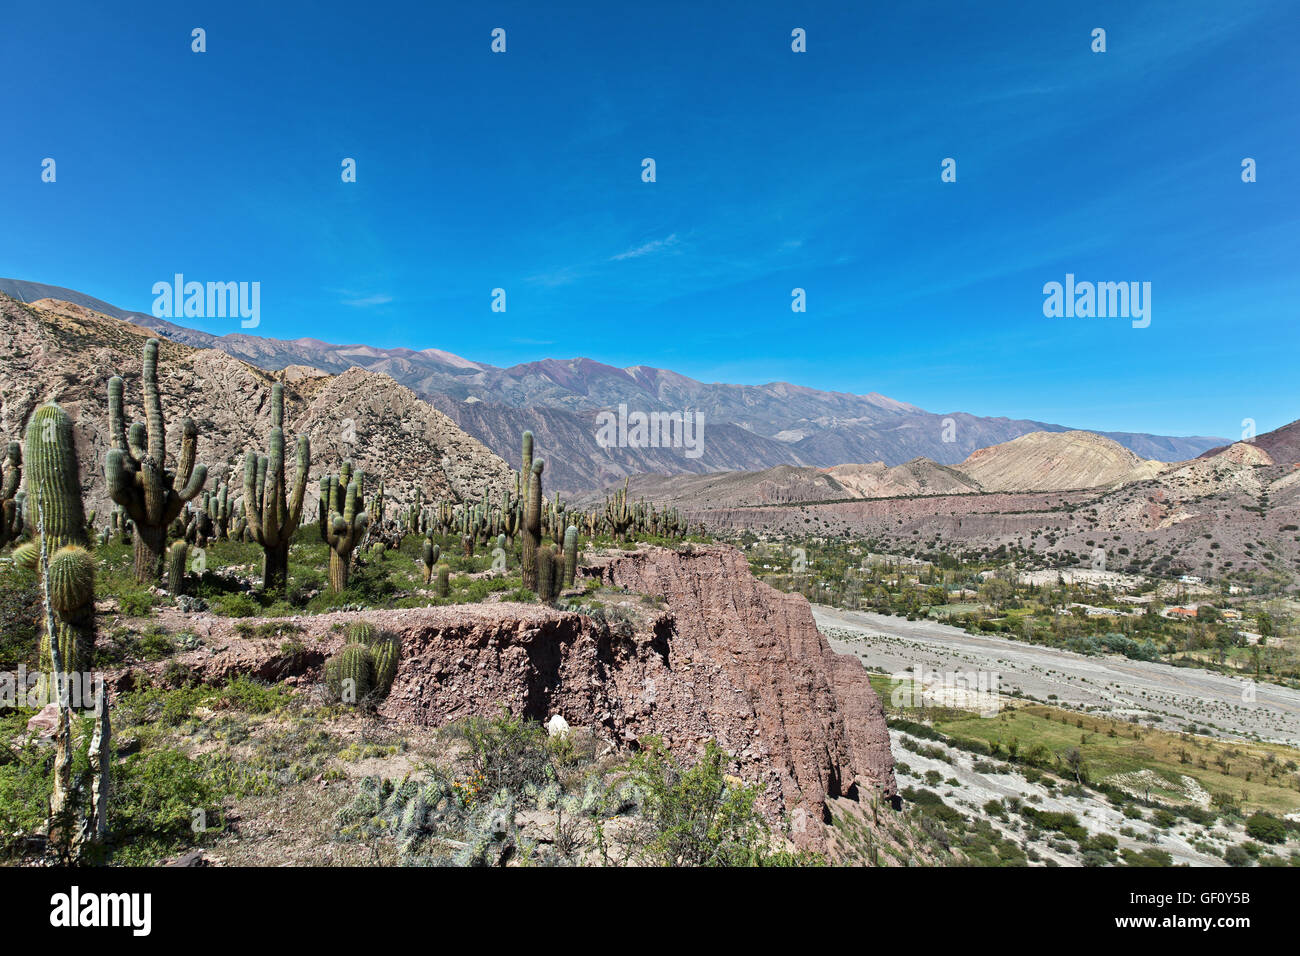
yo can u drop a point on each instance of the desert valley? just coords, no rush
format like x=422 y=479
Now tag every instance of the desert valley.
x=350 y=606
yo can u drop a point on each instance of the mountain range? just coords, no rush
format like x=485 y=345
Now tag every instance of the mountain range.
x=748 y=427
x=58 y=351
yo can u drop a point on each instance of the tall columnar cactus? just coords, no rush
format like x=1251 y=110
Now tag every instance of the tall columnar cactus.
x=527 y=468
x=545 y=573
x=53 y=485
x=532 y=523
x=11 y=499
x=137 y=473
x=570 y=555
x=177 y=555
x=343 y=521
x=55 y=511
x=443 y=586
x=272 y=511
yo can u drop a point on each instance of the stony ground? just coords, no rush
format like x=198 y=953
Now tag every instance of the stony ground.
x=1111 y=685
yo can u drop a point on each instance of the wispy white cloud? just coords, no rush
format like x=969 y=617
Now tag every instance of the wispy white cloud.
x=363 y=302
x=655 y=245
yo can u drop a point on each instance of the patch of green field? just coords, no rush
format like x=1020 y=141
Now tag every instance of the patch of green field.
x=1257 y=776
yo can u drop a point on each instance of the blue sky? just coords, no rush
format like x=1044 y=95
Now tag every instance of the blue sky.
x=775 y=170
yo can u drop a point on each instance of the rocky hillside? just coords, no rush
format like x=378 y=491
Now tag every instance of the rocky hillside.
x=1056 y=461
x=584 y=465
x=65 y=352
x=1232 y=513
x=1281 y=446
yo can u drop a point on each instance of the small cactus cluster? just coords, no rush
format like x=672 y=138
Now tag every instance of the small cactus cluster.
x=136 y=471
x=365 y=667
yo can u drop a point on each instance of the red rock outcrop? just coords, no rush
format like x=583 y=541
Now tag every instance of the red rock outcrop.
x=721 y=657
x=748 y=663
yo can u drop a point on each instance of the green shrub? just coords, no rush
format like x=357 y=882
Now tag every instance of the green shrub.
x=1266 y=828
x=695 y=817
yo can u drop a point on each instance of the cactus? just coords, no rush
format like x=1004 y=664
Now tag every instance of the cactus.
x=386 y=651
x=343 y=520
x=443 y=587
x=570 y=555
x=177 y=556
x=619 y=513
x=350 y=675
x=429 y=558
x=11 y=499
x=532 y=522
x=53 y=486
x=220 y=511
x=360 y=632
x=272 y=513
x=527 y=468
x=71 y=579
x=136 y=470
x=54 y=506
x=546 y=574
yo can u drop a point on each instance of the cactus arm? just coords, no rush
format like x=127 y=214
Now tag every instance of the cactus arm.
x=252 y=502
x=153 y=405
x=189 y=450
x=299 y=482
x=116 y=420
x=155 y=492
x=277 y=405
x=137 y=436
x=197 y=477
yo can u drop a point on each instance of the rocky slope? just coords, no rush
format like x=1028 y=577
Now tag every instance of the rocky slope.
x=61 y=351
x=583 y=464
x=1055 y=461
x=1280 y=446
x=719 y=656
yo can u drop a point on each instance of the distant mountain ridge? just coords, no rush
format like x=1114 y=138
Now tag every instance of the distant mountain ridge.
x=748 y=427
x=1039 y=461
